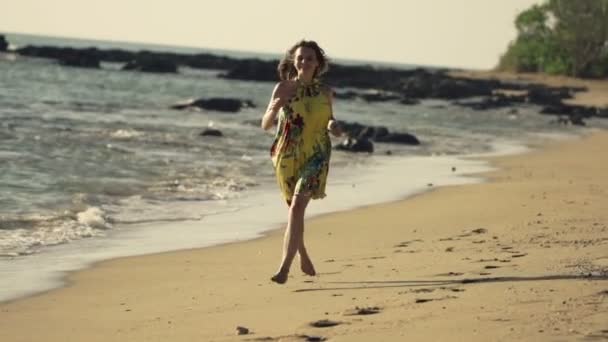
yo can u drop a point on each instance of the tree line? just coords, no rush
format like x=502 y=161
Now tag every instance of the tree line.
x=562 y=37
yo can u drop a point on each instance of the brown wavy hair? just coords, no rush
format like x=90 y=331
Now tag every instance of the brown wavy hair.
x=286 y=69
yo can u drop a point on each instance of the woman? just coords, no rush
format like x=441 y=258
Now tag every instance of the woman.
x=301 y=149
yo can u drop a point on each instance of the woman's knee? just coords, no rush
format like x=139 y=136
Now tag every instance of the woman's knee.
x=299 y=203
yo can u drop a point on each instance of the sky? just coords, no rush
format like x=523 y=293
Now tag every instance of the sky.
x=451 y=33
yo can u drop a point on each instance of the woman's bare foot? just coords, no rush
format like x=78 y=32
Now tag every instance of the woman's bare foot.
x=307 y=267
x=280 y=277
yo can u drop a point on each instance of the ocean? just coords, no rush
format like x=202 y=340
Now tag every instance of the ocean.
x=94 y=165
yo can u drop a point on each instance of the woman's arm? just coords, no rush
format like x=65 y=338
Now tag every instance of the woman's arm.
x=333 y=126
x=280 y=97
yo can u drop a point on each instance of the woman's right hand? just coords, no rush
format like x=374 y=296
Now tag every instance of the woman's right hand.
x=283 y=93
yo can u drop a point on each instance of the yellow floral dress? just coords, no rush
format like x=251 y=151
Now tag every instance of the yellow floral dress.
x=301 y=149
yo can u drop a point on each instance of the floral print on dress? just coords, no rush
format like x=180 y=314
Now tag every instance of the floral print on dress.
x=302 y=148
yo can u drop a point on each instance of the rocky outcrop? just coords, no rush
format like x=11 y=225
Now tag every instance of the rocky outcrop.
x=356 y=145
x=80 y=58
x=405 y=86
x=382 y=134
x=211 y=132
x=151 y=64
x=3 y=43
x=215 y=103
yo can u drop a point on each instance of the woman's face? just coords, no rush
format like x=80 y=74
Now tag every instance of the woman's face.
x=305 y=61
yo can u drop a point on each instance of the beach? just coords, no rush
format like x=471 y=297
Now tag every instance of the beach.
x=123 y=221
x=522 y=256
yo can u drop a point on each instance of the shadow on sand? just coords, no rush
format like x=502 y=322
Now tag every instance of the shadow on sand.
x=361 y=285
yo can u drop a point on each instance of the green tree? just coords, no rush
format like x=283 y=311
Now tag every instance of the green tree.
x=561 y=37
x=581 y=29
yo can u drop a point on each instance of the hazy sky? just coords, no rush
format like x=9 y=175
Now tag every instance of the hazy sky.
x=458 y=33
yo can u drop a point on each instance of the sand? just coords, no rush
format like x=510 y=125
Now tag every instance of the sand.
x=522 y=257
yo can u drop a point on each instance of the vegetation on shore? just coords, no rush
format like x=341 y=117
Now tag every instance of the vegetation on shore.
x=561 y=37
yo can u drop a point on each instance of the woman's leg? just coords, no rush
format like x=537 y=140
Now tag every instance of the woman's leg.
x=306 y=264
x=294 y=236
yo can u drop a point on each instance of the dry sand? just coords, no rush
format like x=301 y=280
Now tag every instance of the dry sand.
x=521 y=257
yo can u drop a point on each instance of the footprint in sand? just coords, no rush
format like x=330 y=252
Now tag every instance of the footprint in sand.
x=448 y=239
x=450 y=274
x=519 y=255
x=493 y=260
x=357 y=311
x=314 y=338
x=324 y=323
x=291 y=338
x=489 y=267
x=423 y=290
x=474 y=231
x=602 y=334
x=407 y=243
x=425 y=300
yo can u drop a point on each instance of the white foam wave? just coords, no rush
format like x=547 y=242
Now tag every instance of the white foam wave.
x=93 y=217
x=28 y=236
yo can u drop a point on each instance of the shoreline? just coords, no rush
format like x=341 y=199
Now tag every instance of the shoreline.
x=75 y=279
x=62 y=260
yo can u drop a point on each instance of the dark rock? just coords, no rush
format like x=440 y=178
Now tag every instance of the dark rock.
x=380 y=132
x=564 y=109
x=352 y=129
x=80 y=58
x=419 y=85
x=577 y=120
x=548 y=96
x=356 y=145
x=399 y=138
x=569 y=120
x=408 y=101
x=3 y=43
x=242 y=330
x=211 y=132
x=455 y=89
x=151 y=64
x=376 y=133
x=215 y=103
